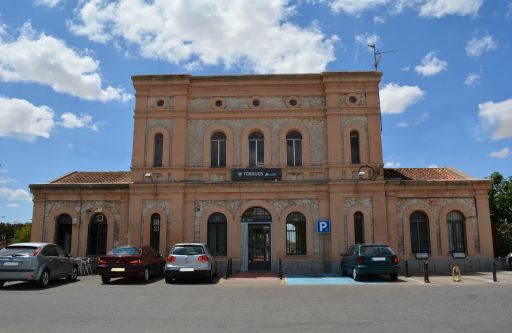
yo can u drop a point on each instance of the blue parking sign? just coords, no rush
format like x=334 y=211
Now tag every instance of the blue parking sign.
x=323 y=226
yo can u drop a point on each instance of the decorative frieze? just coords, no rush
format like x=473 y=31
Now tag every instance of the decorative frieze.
x=268 y=102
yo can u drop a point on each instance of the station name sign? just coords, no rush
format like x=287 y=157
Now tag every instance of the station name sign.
x=256 y=174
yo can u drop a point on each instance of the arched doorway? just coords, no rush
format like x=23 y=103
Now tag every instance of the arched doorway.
x=63 y=230
x=97 y=236
x=256 y=239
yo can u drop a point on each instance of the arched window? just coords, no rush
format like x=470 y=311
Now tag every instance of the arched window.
x=97 y=236
x=420 y=235
x=154 y=235
x=63 y=231
x=256 y=149
x=218 y=234
x=218 y=150
x=456 y=232
x=295 y=234
x=294 y=149
x=159 y=149
x=358 y=228
x=354 y=147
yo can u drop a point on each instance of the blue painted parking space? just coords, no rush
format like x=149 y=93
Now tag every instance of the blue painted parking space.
x=326 y=279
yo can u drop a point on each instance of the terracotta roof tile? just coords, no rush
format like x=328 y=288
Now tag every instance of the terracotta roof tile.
x=97 y=177
x=421 y=174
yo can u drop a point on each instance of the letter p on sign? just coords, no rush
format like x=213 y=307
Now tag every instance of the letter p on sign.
x=323 y=226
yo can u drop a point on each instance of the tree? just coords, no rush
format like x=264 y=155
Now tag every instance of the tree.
x=500 y=205
x=22 y=234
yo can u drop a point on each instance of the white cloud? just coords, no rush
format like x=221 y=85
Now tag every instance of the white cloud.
x=43 y=59
x=253 y=35
x=472 y=79
x=425 y=8
x=476 y=46
x=392 y=164
x=367 y=39
x=433 y=166
x=440 y=8
x=5 y=180
x=395 y=98
x=355 y=7
x=500 y=154
x=405 y=69
x=21 y=119
x=70 y=120
x=12 y=205
x=379 y=19
x=48 y=3
x=497 y=117
x=15 y=195
x=431 y=65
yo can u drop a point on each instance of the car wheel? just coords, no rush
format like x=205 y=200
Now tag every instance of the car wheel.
x=510 y=263
x=355 y=276
x=168 y=280
x=74 y=274
x=105 y=279
x=209 y=276
x=393 y=277
x=146 y=275
x=2 y=283
x=44 y=279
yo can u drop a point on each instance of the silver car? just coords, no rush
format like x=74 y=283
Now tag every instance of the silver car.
x=190 y=259
x=36 y=262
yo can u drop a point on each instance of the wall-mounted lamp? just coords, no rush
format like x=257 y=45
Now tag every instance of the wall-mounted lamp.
x=366 y=172
x=154 y=179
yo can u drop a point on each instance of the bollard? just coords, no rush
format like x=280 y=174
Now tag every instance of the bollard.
x=406 y=268
x=229 y=269
x=456 y=276
x=425 y=268
x=230 y=266
x=494 y=277
x=280 y=269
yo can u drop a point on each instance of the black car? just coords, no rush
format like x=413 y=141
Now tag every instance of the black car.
x=370 y=259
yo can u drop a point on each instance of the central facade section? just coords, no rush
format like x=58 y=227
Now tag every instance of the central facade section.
x=248 y=164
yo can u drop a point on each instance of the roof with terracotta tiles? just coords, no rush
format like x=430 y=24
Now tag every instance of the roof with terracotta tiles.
x=423 y=174
x=94 y=177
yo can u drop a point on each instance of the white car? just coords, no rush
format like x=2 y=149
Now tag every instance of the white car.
x=508 y=260
x=190 y=259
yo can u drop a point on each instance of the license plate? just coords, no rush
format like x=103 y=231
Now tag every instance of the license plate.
x=11 y=263
x=378 y=259
x=186 y=269
x=117 y=269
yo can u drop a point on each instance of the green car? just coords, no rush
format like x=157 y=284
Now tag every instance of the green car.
x=370 y=259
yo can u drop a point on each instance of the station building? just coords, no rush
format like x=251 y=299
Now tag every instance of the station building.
x=265 y=168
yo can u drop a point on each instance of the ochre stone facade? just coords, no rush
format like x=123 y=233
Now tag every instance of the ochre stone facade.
x=339 y=177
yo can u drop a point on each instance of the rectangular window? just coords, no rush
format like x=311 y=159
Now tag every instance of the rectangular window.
x=217 y=238
x=252 y=153
x=457 y=237
x=295 y=238
x=222 y=153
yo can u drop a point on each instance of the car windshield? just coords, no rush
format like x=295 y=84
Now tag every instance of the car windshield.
x=187 y=250
x=375 y=250
x=125 y=250
x=16 y=250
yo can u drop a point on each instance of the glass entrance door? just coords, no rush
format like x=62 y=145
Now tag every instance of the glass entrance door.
x=259 y=246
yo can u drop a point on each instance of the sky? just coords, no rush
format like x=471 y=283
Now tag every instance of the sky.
x=66 y=97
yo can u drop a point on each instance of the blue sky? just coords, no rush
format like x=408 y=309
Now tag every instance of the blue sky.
x=66 y=97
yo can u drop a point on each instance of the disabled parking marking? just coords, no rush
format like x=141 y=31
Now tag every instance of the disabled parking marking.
x=324 y=279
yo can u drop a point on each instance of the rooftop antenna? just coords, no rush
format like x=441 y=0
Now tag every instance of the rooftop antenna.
x=377 y=55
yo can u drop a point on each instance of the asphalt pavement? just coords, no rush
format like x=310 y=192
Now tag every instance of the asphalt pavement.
x=260 y=305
